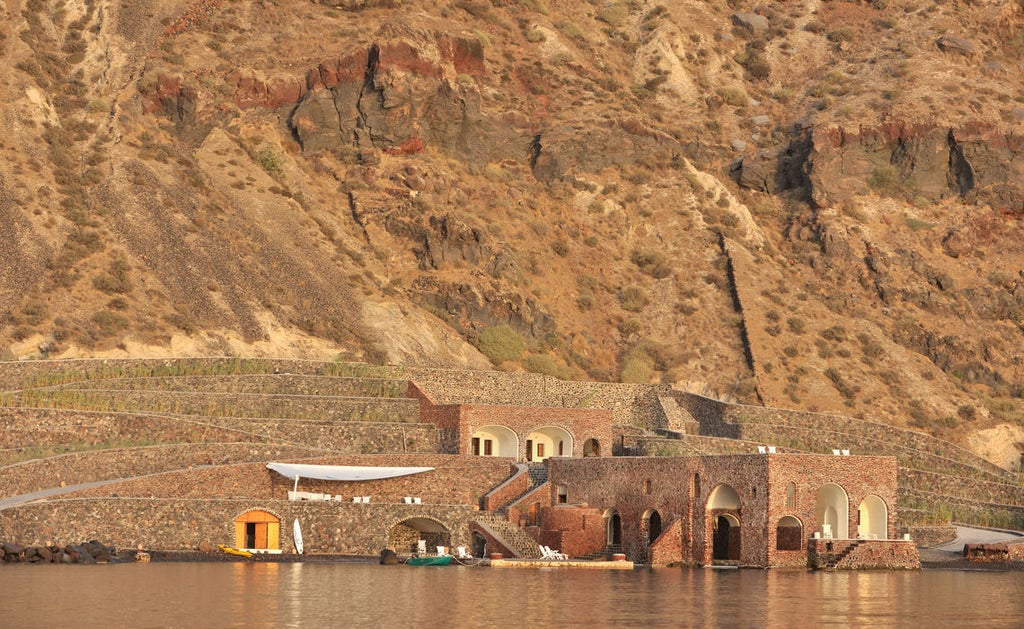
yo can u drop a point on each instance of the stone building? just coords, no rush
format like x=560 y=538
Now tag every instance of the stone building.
x=761 y=510
x=524 y=433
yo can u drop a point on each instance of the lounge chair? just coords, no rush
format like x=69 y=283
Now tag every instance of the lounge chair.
x=462 y=554
x=547 y=553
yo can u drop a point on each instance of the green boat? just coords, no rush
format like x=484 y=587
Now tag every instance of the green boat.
x=436 y=560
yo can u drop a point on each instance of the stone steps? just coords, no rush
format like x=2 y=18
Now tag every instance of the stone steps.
x=513 y=537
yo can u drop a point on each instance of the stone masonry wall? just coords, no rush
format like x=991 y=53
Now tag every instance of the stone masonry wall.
x=86 y=467
x=863 y=554
x=50 y=429
x=176 y=524
x=455 y=480
x=630 y=404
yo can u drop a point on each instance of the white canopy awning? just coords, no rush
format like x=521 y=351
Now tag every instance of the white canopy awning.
x=342 y=472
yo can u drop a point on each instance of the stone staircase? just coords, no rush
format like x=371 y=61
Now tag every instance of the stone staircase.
x=513 y=537
x=834 y=562
x=604 y=554
x=538 y=475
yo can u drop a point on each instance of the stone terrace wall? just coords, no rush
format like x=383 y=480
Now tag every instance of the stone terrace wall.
x=823 y=441
x=688 y=445
x=1002 y=493
x=631 y=404
x=978 y=511
x=19 y=374
x=177 y=524
x=26 y=427
x=86 y=467
x=455 y=480
x=54 y=429
x=256 y=383
x=848 y=425
x=228 y=404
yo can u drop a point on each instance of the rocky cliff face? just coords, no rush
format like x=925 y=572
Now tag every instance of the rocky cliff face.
x=811 y=204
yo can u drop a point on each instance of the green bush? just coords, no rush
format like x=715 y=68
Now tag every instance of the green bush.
x=500 y=343
x=269 y=160
x=545 y=364
x=634 y=298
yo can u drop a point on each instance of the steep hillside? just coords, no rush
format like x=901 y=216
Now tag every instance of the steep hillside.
x=810 y=204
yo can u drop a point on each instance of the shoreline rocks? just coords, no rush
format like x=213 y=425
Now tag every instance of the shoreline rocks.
x=91 y=552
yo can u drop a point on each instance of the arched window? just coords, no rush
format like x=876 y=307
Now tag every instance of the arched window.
x=833 y=512
x=791 y=495
x=788 y=534
x=872 y=518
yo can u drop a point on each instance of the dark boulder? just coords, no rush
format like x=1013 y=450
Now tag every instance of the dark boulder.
x=388 y=557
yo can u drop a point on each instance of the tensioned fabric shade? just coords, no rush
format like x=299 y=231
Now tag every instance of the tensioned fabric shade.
x=342 y=472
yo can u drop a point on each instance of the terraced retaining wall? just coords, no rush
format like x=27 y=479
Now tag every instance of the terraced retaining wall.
x=176 y=524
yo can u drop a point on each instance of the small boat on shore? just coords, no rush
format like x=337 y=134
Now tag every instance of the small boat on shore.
x=430 y=560
x=234 y=551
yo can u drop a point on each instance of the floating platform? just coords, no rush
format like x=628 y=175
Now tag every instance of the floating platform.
x=558 y=563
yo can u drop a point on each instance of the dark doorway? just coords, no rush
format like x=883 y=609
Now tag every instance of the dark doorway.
x=250 y=535
x=476 y=446
x=654 y=527
x=726 y=540
x=615 y=530
x=479 y=546
x=529 y=449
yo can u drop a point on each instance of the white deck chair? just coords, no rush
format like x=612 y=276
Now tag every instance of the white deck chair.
x=440 y=551
x=462 y=554
x=421 y=546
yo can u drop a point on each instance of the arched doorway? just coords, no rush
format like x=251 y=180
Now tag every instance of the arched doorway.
x=258 y=530
x=723 y=516
x=725 y=542
x=547 y=441
x=873 y=518
x=833 y=511
x=613 y=528
x=479 y=545
x=494 y=441
x=405 y=537
x=591 y=447
x=788 y=534
x=652 y=522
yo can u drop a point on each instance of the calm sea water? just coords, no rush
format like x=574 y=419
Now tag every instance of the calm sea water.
x=197 y=595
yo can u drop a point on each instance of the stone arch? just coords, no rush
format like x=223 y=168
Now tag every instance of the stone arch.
x=789 y=533
x=257 y=529
x=613 y=527
x=723 y=497
x=478 y=545
x=873 y=518
x=833 y=511
x=723 y=521
x=405 y=535
x=494 y=440
x=544 y=441
x=591 y=447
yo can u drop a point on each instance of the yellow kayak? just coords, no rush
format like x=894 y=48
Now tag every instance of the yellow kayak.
x=234 y=551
